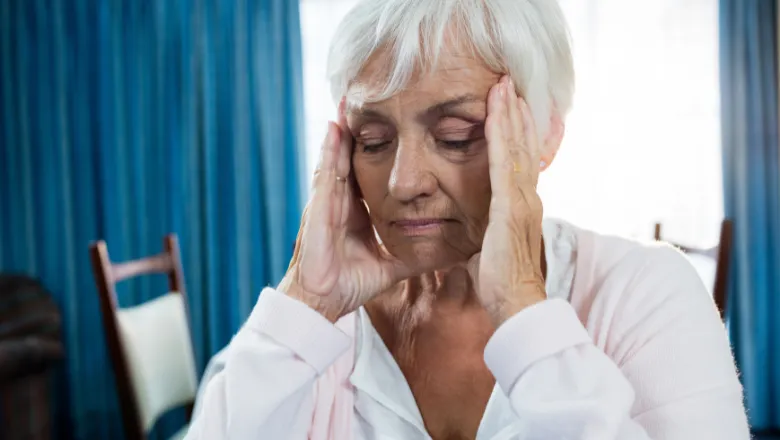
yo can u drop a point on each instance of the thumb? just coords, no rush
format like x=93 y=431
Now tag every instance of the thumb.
x=394 y=269
x=397 y=270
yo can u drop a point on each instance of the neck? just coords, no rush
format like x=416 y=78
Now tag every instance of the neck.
x=429 y=297
x=451 y=287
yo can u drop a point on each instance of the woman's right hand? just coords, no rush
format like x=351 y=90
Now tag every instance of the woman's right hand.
x=338 y=264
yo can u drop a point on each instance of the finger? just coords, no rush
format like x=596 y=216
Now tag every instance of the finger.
x=344 y=158
x=514 y=134
x=521 y=149
x=299 y=239
x=343 y=164
x=324 y=183
x=326 y=166
x=531 y=141
x=499 y=159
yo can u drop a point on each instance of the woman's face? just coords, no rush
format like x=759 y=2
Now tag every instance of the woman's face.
x=420 y=160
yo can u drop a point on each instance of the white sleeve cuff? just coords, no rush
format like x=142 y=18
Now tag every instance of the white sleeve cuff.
x=298 y=327
x=539 y=331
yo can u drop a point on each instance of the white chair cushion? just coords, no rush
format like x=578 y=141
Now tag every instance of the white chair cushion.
x=157 y=344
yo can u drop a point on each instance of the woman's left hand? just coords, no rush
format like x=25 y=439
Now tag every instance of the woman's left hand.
x=507 y=272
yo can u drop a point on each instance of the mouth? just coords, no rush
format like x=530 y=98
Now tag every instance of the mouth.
x=419 y=227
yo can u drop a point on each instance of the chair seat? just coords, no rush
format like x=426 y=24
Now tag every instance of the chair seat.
x=180 y=433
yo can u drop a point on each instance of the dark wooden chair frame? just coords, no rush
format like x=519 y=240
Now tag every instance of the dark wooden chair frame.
x=721 y=254
x=107 y=274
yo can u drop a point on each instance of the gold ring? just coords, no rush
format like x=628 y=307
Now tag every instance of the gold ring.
x=341 y=179
x=516 y=167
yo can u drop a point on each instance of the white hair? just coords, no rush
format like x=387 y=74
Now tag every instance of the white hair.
x=526 y=39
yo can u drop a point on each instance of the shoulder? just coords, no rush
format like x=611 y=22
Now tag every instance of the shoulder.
x=601 y=260
x=604 y=261
x=645 y=306
x=624 y=286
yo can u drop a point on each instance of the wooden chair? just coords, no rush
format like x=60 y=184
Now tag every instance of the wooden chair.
x=149 y=344
x=721 y=254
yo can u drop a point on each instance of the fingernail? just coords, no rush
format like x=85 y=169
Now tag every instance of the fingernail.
x=511 y=85
x=502 y=90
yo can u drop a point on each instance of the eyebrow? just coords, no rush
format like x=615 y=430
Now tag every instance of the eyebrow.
x=436 y=109
x=445 y=106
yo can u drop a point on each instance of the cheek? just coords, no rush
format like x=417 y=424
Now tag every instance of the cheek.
x=469 y=186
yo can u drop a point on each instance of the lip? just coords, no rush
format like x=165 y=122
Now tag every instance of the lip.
x=420 y=226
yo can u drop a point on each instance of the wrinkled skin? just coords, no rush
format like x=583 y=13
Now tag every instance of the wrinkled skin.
x=446 y=172
x=447 y=177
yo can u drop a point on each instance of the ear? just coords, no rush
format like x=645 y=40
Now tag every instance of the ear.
x=552 y=142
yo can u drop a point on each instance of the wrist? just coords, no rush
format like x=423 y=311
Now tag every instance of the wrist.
x=505 y=308
x=318 y=303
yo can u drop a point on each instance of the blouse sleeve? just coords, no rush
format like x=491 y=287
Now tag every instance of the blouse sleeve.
x=265 y=388
x=662 y=367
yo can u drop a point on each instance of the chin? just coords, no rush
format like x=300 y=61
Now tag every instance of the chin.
x=427 y=256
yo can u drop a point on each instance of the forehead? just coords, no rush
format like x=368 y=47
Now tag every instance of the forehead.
x=457 y=72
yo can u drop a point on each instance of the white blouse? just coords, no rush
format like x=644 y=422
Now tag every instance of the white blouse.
x=385 y=403
x=383 y=399
x=606 y=357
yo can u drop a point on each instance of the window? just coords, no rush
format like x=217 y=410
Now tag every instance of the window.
x=643 y=139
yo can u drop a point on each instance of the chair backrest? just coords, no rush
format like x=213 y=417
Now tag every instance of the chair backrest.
x=149 y=344
x=720 y=255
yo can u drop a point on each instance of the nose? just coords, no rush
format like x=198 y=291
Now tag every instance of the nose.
x=412 y=176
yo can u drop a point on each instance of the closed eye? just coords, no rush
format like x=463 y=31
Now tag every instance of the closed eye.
x=374 y=147
x=457 y=145
x=457 y=134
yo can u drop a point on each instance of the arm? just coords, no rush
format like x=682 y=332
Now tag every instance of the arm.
x=663 y=368
x=266 y=387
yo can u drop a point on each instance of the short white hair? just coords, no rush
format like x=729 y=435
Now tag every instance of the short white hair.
x=526 y=39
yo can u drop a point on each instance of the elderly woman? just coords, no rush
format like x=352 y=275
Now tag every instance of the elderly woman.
x=426 y=298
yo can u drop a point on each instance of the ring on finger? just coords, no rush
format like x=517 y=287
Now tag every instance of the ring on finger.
x=516 y=167
x=341 y=179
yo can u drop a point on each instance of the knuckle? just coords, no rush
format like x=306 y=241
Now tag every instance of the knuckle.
x=516 y=151
x=321 y=175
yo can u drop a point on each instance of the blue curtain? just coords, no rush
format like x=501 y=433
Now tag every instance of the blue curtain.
x=751 y=158
x=126 y=120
